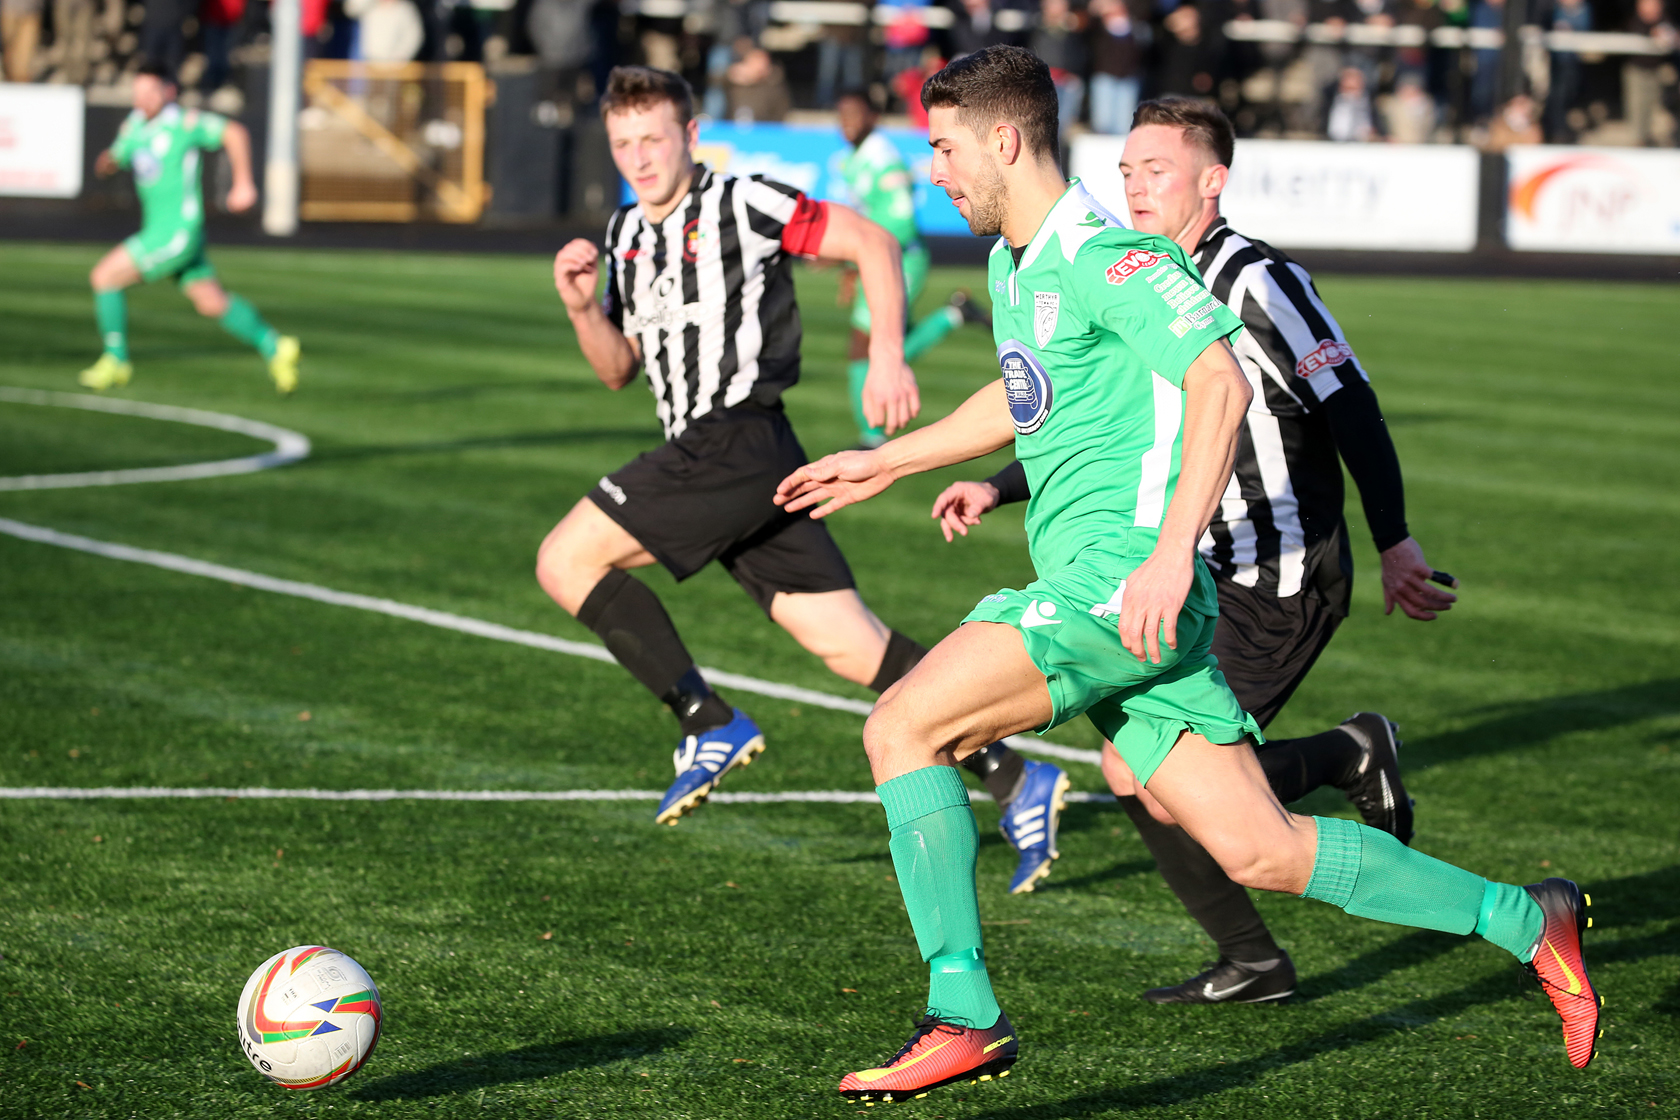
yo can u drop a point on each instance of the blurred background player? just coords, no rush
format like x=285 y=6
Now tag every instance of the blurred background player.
x=878 y=185
x=700 y=294
x=1277 y=545
x=161 y=142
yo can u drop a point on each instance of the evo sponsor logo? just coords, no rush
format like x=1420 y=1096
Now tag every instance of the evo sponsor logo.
x=1326 y=354
x=1133 y=262
x=1026 y=385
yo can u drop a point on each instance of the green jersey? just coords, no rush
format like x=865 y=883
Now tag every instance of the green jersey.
x=1095 y=329
x=163 y=152
x=879 y=186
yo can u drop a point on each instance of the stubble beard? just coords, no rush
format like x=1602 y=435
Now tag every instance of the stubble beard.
x=988 y=201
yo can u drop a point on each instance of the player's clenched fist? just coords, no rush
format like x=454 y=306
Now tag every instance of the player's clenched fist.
x=842 y=479
x=963 y=504
x=576 y=269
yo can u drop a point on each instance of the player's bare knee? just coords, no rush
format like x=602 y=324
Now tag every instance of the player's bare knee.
x=553 y=568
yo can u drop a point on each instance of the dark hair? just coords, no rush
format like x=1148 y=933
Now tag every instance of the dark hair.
x=158 y=70
x=632 y=88
x=1203 y=123
x=859 y=93
x=1000 y=85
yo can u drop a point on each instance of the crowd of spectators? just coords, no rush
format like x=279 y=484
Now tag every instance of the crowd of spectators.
x=1105 y=55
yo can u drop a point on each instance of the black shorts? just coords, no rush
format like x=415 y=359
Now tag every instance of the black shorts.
x=705 y=496
x=1266 y=645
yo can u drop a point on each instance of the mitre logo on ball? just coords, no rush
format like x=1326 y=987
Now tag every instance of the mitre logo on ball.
x=309 y=1017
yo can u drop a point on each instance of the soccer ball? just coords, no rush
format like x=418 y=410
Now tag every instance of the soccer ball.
x=309 y=1017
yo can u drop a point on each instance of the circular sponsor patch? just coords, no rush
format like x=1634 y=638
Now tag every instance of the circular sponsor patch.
x=1026 y=385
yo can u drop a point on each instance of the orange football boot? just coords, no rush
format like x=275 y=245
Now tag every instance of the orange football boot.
x=1561 y=968
x=938 y=1053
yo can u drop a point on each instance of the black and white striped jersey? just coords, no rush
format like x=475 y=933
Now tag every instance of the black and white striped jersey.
x=1286 y=492
x=708 y=292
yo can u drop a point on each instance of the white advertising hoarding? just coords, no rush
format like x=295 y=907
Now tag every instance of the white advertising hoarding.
x=1593 y=200
x=41 y=140
x=1304 y=195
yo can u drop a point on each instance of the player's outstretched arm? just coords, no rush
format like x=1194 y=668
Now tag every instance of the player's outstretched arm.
x=978 y=427
x=236 y=142
x=890 y=396
x=1216 y=395
x=613 y=357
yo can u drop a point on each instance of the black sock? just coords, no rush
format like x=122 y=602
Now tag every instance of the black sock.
x=1296 y=767
x=1000 y=770
x=901 y=657
x=629 y=618
x=1222 y=907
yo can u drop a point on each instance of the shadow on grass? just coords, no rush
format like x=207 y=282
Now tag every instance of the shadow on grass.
x=479 y=443
x=1530 y=723
x=1193 y=1085
x=529 y=1063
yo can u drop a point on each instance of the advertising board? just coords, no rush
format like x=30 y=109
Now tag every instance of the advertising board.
x=1593 y=200
x=41 y=140
x=1306 y=195
x=809 y=158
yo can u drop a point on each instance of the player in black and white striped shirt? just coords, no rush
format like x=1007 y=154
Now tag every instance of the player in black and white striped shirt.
x=1277 y=544
x=700 y=296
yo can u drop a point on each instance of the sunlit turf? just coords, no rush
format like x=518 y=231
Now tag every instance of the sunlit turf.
x=739 y=964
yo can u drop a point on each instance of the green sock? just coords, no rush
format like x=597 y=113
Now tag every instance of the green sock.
x=1370 y=874
x=856 y=374
x=110 y=312
x=934 y=841
x=930 y=330
x=245 y=323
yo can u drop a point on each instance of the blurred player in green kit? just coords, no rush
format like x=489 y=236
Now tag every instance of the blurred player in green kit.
x=161 y=142
x=878 y=183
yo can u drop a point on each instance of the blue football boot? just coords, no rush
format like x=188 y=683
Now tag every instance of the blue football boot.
x=1029 y=823
x=703 y=760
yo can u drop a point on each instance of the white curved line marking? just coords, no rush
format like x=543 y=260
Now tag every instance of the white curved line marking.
x=289 y=446
x=262 y=793
x=464 y=625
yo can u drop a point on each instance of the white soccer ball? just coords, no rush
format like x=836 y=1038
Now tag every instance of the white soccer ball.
x=309 y=1017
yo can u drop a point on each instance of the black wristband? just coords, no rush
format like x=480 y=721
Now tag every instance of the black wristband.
x=1011 y=484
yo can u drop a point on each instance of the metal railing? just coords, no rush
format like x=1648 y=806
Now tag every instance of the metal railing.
x=850 y=13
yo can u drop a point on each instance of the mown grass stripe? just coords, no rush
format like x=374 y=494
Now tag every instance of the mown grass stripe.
x=461 y=624
x=259 y=793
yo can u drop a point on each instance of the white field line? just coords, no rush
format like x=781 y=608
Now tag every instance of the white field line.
x=464 y=625
x=261 y=793
x=289 y=446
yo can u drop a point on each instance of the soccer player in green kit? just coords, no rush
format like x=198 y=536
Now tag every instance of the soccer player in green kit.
x=161 y=142
x=879 y=185
x=1124 y=402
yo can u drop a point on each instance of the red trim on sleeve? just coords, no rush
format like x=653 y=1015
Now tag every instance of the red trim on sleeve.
x=803 y=234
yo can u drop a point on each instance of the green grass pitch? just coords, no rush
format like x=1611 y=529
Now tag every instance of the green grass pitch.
x=575 y=960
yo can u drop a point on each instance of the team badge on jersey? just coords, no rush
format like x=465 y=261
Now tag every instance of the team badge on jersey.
x=1045 y=307
x=697 y=239
x=1026 y=386
x=1133 y=262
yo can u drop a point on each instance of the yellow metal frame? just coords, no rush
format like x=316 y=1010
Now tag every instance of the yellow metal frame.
x=456 y=202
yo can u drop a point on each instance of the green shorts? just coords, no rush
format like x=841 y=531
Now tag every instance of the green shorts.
x=1069 y=623
x=176 y=251
x=915 y=279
